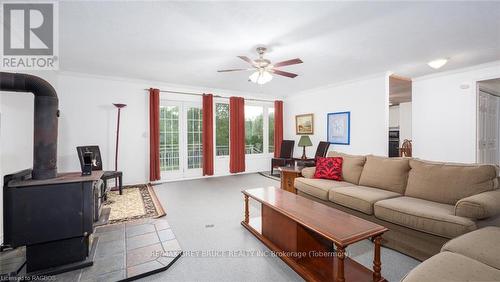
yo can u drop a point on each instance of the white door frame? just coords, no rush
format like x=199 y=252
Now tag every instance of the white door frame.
x=188 y=172
x=184 y=171
x=175 y=174
x=480 y=125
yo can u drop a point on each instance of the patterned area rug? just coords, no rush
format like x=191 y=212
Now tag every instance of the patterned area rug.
x=138 y=201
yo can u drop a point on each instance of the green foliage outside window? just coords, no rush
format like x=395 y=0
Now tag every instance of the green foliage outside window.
x=222 y=129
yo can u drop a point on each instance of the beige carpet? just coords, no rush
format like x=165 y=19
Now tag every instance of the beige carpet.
x=138 y=201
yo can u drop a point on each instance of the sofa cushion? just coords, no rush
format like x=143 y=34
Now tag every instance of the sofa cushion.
x=308 y=172
x=482 y=245
x=448 y=183
x=385 y=173
x=329 y=168
x=318 y=187
x=479 y=206
x=352 y=166
x=431 y=217
x=448 y=266
x=360 y=198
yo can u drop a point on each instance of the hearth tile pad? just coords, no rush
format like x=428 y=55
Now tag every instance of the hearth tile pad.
x=124 y=251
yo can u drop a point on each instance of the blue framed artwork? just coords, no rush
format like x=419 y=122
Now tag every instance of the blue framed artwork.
x=339 y=128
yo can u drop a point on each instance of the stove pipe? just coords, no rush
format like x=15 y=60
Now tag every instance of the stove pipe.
x=45 y=120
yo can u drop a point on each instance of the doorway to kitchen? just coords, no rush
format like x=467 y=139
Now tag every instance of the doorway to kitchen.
x=400 y=116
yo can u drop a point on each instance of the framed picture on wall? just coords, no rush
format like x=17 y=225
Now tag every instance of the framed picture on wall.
x=339 y=128
x=304 y=124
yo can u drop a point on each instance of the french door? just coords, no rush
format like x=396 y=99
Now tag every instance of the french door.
x=488 y=128
x=180 y=139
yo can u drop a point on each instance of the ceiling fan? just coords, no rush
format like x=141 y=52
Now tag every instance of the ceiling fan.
x=263 y=67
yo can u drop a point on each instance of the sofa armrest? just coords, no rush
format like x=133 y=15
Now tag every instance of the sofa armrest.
x=308 y=172
x=479 y=206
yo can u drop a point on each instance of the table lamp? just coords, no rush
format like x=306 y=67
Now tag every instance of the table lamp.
x=304 y=142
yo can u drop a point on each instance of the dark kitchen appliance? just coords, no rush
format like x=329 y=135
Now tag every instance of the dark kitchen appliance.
x=393 y=142
x=49 y=213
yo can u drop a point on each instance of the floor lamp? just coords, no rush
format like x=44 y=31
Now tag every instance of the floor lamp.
x=119 y=106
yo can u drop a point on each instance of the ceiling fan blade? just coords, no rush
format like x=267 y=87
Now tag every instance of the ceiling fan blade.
x=232 y=70
x=284 y=73
x=287 y=63
x=248 y=60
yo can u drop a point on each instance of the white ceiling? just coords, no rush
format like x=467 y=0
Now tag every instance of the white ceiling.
x=186 y=42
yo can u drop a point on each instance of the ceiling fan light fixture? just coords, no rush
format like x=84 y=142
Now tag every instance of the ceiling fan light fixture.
x=260 y=77
x=438 y=63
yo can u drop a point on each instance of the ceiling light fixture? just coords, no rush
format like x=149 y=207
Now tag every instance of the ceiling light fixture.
x=260 y=77
x=437 y=64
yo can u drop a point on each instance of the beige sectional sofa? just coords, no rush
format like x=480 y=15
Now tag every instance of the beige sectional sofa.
x=424 y=204
x=474 y=256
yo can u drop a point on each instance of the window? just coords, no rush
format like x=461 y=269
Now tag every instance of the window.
x=271 y=129
x=221 y=129
x=194 y=132
x=254 y=129
x=169 y=138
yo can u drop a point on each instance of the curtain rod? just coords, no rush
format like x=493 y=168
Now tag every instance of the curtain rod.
x=218 y=96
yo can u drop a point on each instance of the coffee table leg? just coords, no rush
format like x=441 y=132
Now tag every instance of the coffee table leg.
x=377 y=265
x=246 y=210
x=340 y=263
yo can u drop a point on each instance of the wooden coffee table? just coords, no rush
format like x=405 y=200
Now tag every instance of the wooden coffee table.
x=303 y=234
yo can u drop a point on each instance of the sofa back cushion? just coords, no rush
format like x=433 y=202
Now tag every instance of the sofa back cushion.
x=351 y=166
x=385 y=173
x=447 y=183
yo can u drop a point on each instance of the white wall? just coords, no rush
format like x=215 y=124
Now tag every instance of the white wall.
x=444 y=114
x=366 y=99
x=405 y=122
x=88 y=117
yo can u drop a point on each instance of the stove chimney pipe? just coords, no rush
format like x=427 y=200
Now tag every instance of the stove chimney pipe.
x=45 y=120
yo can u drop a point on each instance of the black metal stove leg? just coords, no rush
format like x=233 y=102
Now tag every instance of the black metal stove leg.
x=120 y=184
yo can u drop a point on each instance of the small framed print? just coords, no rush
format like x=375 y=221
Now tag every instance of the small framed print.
x=304 y=124
x=339 y=128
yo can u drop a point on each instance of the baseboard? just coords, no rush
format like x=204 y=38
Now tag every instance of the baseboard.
x=161 y=181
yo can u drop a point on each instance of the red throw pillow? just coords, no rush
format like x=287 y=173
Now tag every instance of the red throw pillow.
x=329 y=168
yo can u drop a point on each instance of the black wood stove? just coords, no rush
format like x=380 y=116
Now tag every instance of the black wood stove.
x=51 y=214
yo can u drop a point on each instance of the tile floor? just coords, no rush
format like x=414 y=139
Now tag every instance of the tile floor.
x=127 y=250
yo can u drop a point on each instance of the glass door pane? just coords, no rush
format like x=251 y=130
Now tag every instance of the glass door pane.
x=221 y=129
x=169 y=138
x=194 y=131
x=254 y=129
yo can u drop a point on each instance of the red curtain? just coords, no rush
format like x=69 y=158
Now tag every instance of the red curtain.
x=154 y=134
x=207 y=138
x=278 y=127
x=237 y=134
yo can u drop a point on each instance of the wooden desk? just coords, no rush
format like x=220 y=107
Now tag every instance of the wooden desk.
x=288 y=175
x=303 y=234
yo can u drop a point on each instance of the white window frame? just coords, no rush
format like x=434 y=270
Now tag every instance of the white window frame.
x=265 y=127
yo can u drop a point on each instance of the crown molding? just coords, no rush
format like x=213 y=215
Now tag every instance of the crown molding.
x=385 y=75
x=163 y=84
x=459 y=70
